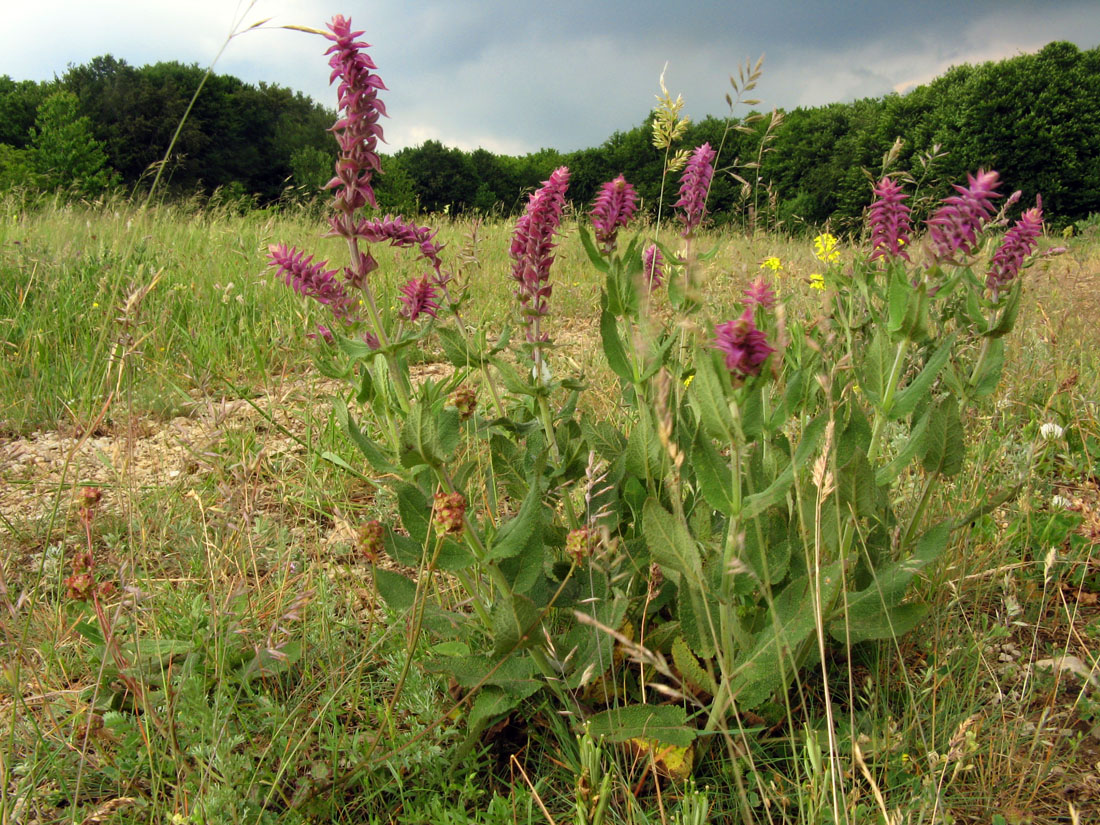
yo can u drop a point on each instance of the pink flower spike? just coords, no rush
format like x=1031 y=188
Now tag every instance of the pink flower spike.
x=745 y=346
x=532 y=248
x=1019 y=242
x=954 y=228
x=653 y=267
x=888 y=218
x=309 y=279
x=694 y=187
x=419 y=297
x=760 y=294
x=615 y=205
x=357 y=129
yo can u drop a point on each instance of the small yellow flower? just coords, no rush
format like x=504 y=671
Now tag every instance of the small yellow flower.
x=688 y=380
x=825 y=248
x=772 y=263
x=95 y=304
x=817 y=281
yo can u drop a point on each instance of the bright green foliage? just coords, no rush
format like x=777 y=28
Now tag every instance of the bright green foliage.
x=16 y=168
x=65 y=154
x=736 y=522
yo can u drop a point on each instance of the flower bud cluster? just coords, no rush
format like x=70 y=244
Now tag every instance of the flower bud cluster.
x=614 y=206
x=369 y=540
x=464 y=399
x=450 y=513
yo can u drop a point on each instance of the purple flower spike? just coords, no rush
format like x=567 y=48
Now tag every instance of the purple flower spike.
x=309 y=279
x=653 y=267
x=955 y=225
x=889 y=221
x=399 y=232
x=357 y=131
x=694 y=185
x=419 y=297
x=532 y=247
x=759 y=294
x=745 y=346
x=615 y=205
x=1019 y=242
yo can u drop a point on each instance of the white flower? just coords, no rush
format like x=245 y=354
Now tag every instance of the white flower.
x=1050 y=431
x=1061 y=503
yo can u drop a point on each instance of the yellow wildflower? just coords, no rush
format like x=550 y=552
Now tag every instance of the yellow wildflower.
x=773 y=263
x=817 y=280
x=825 y=248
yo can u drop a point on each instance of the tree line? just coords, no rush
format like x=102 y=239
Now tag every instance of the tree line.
x=1035 y=118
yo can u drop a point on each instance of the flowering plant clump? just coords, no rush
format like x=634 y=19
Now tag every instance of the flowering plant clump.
x=742 y=512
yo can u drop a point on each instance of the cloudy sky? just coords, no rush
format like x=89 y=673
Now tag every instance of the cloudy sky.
x=514 y=76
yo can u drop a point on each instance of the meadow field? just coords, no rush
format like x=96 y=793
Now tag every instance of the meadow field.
x=192 y=631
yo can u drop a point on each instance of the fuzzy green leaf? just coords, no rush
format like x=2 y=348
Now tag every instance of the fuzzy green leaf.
x=613 y=347
x=398 y=592
x=665 y=723
x=907 y=399
x=713 y=475
x=670 y=544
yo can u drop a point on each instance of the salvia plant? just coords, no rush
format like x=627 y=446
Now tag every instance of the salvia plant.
x=660 y=575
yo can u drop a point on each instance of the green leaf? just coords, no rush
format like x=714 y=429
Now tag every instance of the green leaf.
x=777 y=490
x=604 y=438
x=398 y=592
x=353 y=348
x=699 y=679
x=987 y=379
x=403 y=549
x=456 y=349
x=1009 y=310
x=899 y=295
x=855 y=484
x=692 y=607
x=516 y=624
x=887 y=473
x=379 y=461
x=448 y=431
x=670 y=544
x=665 y=723
x=942 y=448
x=613 y=347
x=594 y=255
x=517 y=533
x=713 y=474
x=707 y=396
x=875 y=368
x=868 y=622
x=907 y=399
x=415 y=511
x=773 y=661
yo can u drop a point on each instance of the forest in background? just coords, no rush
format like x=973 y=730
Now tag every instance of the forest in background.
x=104 y=125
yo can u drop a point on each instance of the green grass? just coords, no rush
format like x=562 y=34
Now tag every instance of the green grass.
x=267 y=665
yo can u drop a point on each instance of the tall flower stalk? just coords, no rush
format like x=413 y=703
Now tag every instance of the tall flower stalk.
x=532 y=255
